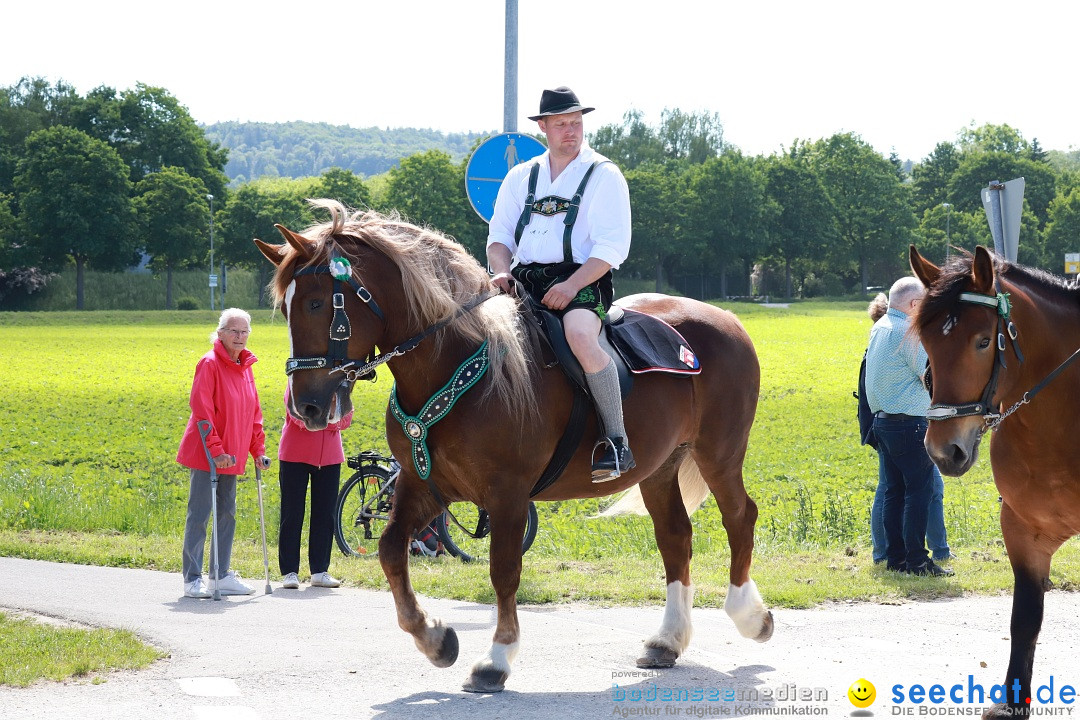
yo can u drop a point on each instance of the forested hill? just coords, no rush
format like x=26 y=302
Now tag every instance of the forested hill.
x=303 y=149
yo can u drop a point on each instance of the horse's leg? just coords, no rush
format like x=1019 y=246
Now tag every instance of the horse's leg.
x=739 y=512
x=437 y=641
x=672 y=529
x=1029 y=555
x=490 y=672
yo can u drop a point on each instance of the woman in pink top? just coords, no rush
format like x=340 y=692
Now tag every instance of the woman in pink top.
x=224 y=393
x=304 y=455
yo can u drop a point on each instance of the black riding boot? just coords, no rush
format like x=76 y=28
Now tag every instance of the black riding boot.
x=615 y=460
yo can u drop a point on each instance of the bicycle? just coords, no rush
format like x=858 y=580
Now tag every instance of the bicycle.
x=363 y=509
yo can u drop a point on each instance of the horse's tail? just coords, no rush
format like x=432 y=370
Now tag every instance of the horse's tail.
x=691 y=485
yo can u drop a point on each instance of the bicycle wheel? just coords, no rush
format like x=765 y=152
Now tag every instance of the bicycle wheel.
x=460 y=544
x=363 y=508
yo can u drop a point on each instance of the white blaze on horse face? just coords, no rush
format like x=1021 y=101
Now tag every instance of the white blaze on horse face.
x=290 y=292
x=745 y=607
x=676 y=629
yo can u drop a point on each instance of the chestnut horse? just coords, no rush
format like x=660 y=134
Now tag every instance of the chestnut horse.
x=431 y=310
x=997 y=334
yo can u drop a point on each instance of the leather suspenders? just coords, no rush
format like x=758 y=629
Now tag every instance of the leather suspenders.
x=571 y=209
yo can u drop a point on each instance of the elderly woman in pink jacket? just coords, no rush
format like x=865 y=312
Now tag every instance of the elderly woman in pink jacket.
x=224 y=393
x=302 y=456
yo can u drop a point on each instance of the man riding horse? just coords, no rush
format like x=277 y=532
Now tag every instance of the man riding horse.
x=566 y=217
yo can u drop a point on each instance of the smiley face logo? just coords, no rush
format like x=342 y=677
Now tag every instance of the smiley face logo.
x=861 y=693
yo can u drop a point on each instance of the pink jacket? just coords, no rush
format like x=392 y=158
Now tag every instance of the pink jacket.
x=224 y=393
x=319 y=448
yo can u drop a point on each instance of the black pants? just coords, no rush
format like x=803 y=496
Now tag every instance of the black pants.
x=293 y=480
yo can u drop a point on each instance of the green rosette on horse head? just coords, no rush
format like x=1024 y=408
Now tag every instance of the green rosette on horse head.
x=478 y=414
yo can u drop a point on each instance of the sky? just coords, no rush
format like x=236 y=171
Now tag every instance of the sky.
x=904 y=76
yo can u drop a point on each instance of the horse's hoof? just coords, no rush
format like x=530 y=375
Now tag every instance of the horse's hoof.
x=488 y=680
x=448 y=650
x=766 y=629
x=657 y=657
x=1000 y=711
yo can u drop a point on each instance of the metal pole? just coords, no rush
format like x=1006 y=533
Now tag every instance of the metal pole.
x=996 y=225
x=211 y=199
x=510 y=73
x=948 y=217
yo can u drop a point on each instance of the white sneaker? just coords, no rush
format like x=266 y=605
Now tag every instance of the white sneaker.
x=231 y=584
x=196 y=589
x=290 y=582
x=324 y=579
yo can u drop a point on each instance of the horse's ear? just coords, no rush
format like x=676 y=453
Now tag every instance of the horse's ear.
x=273 y=253
x=925 y=270
x=982 y=271
x=298 y=241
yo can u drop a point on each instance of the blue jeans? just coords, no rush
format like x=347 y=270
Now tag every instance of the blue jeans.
x=909 y=481
x=936 y=537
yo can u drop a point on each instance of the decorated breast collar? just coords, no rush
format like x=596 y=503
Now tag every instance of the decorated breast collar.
x=416 y=427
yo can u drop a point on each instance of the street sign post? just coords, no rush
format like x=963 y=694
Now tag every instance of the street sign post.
x=489 y=164
x=1003 y=203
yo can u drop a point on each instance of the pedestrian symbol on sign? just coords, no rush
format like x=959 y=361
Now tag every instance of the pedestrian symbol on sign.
x=487 y=167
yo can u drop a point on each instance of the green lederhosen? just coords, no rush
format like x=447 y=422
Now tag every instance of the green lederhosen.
x=537 y=278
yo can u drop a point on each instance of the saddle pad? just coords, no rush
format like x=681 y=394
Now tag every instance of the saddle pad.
x=648 y=344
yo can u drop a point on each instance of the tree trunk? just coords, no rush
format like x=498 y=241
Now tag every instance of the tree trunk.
x=80 y=295
x=787 y=279
x=168 y=288
x=659 y=274
x=723 y=280
x=864 y=275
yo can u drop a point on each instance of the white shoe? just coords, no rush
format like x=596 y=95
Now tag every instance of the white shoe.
x=290 y=582
x=231 y=584
x=324 y=579
x=196 y=589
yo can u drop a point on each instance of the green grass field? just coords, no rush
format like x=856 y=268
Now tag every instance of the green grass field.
x=94 y=405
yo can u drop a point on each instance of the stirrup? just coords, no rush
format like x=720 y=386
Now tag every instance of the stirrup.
x=605 y=442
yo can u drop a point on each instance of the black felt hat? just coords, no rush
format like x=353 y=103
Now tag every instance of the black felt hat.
x=558 y=101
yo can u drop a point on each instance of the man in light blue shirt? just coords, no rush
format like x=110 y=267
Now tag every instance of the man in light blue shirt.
x=895 y=363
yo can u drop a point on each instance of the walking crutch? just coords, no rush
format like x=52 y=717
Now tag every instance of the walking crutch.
x=262 y=526
x=204 y=431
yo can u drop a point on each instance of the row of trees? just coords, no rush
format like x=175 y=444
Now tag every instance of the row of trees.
x=93 y=180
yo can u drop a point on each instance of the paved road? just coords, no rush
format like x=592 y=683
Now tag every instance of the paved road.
x=316 y=653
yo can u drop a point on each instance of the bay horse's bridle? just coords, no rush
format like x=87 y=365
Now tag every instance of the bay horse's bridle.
x=1005 y=325
x=337 y=353
x=948 y=411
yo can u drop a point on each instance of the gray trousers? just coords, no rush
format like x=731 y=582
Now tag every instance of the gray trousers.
x=198 y=514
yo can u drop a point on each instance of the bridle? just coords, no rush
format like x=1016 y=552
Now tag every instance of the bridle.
x=337 y=354
x=1005 y=326
x=946 y=411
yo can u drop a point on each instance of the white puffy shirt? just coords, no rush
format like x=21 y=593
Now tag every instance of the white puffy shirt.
x=602 y=229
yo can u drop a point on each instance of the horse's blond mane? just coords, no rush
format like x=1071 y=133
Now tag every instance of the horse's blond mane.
x=438 y=276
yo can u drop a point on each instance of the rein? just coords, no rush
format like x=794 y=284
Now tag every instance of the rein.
x=991 y=420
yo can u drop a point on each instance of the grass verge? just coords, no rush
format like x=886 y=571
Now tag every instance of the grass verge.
x=31 y=651
x=787 y=577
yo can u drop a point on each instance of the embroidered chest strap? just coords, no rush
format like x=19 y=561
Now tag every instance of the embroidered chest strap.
x=416 y=427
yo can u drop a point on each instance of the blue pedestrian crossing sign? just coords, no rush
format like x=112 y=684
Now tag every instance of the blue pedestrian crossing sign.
x=489 y=164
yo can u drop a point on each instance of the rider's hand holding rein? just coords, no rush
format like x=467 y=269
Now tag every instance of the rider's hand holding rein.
x=499 y=259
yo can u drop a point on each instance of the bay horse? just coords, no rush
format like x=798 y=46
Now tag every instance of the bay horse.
x=378 y=282
x=997 y=334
